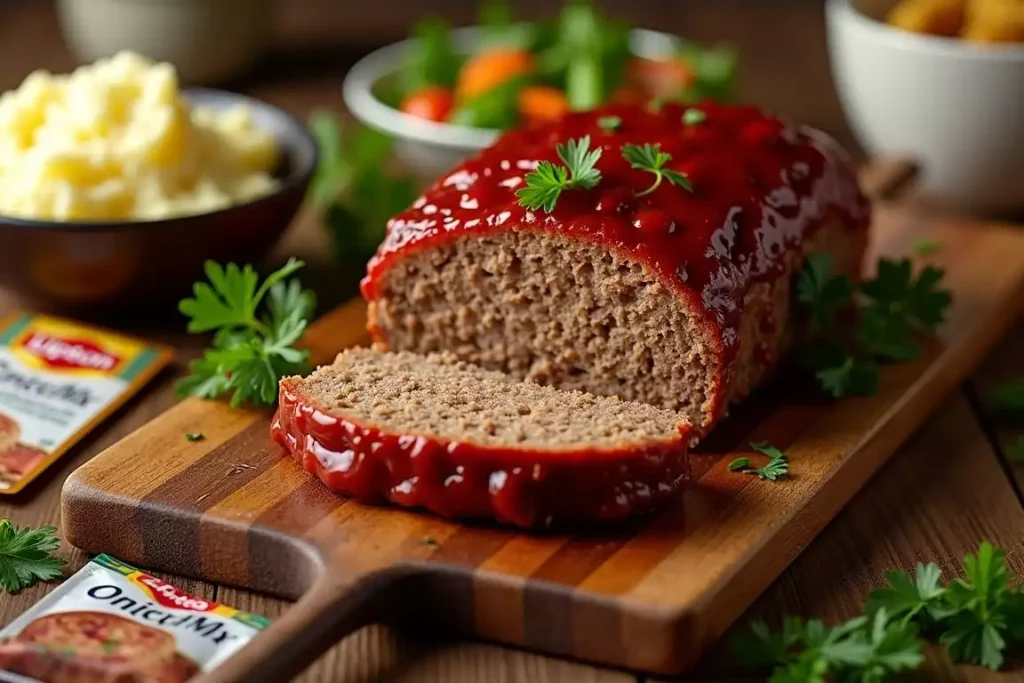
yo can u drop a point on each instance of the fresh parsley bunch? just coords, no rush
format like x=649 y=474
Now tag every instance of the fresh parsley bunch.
x=891 y=309
x=974 y=617
x=256 y=325
x=27 y=556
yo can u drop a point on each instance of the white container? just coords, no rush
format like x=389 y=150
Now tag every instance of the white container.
x=954 y=106
x=208 y=41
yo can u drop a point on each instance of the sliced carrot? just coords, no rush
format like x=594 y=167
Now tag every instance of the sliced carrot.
x=485 y=70
x=629 y=94
x=541 y=103
x=661 y=78
x=433 y=103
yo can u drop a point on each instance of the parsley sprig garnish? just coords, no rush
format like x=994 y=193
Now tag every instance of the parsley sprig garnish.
x=776 y=467
x=547 y=182
x=27 y=556
x=892 y=309
x=256 y=331
x=650 y=158
x=974 y=617
x=926 y=246
x=693 y=116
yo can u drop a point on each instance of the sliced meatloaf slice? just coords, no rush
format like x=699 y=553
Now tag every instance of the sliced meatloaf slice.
x=442 y=434
x=678 y=296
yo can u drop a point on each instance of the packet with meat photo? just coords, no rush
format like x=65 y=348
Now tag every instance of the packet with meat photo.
x=112 y=623
x=58 y=380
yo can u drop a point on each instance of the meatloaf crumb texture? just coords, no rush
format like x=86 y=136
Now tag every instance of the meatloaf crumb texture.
x=577 y=316
x=464 y=442
x=455 y=401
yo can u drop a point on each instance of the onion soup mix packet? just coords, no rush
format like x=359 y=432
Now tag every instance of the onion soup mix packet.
x=112 y=622
x=58 y=380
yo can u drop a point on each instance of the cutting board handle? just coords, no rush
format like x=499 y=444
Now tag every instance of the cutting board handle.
x=888 y=179
x=323 y=616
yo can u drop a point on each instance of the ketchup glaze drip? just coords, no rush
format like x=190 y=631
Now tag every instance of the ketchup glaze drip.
x=759 y=189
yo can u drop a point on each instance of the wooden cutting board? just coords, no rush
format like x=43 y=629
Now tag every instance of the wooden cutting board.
x=648 y=595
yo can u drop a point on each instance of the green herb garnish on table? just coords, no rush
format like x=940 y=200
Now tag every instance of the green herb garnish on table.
x=256 y=328
x=974 y=618
x=545 y=184
x=27 y=556
x=889 y=311
x=776 y=468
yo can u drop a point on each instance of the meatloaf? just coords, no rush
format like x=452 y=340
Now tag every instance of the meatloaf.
x=677 y=297
x=435 y=432
x=94 y=647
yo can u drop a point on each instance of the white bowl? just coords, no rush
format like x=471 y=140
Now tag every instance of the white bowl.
x=430 y=148
x=956 y=107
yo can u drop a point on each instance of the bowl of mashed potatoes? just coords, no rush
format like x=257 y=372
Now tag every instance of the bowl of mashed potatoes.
x=116 y=184
x=941 y=81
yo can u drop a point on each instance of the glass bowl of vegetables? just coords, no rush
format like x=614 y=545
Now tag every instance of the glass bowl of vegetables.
x=444 y=93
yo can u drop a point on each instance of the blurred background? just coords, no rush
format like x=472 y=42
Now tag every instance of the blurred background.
x=311 y=43
x=937 y=81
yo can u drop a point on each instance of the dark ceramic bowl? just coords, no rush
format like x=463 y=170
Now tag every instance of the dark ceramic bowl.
x=129 y=264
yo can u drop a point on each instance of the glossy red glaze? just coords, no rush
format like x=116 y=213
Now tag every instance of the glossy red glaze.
x=521 y=487
x=759 y=189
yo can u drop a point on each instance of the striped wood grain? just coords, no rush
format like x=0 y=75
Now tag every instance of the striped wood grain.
x=649 y=595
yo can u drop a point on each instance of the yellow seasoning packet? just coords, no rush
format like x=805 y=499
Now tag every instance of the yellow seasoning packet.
x=58 y=380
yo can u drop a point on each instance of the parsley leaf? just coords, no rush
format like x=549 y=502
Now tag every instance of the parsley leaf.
x=763 y=648
x=974 y=617
x=609 y=123
x=924 y=246
x=650 y=158
x=975 y=633
x=545 y=184
x=776 y=467
x=905 y=598
x=852 y=378
x=823 y=293
x=194 y=436
x=251 y=352
x=886 y=335
x=919 y=300
x=693 y=116
x=860 y=649
x=26 y=556
x=894 y=307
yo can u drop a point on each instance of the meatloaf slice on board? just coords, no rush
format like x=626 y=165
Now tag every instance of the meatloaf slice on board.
x=441 y=434
x=677 y=296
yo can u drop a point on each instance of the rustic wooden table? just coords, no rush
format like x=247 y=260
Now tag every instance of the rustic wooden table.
x=947 y=488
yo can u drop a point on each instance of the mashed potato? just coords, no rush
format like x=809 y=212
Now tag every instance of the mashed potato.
x=117 y=140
